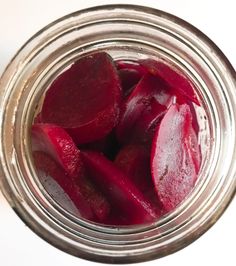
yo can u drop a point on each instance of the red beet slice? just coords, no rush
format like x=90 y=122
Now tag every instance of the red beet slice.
x=115 y=184
x=91 y=204
x=175 y=156
x=134 y=160
x=56 y=142
x=148 y=90
x=130 y=73
x=85 y=99
x=129 y=78
x=145 y=126
x=173 y=77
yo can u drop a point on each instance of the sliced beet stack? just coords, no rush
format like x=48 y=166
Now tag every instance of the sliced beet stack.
x=175 y=157
x=85 y=99
x=120 y=138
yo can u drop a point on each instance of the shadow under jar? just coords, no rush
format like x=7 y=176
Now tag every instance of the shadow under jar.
x=130 y=33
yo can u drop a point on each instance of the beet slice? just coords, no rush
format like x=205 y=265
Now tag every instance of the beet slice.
x=148 y=90
x=173 y=76
x=129 y=78
x=91 y=204
x=175 y=157
x=115 y=184
x=130 y=73
x=85 y=99
x=134 y=160
x=57 y=143
x=145 y=126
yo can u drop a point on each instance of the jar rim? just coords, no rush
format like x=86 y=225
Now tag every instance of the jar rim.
x=84 y=249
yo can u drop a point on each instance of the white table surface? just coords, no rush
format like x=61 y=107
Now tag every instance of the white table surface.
x=19 y=19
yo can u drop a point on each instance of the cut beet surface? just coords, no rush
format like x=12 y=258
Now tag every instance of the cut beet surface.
x=91 y=204
x=130 y=74
x=115 y=184
x=145 y=126
x=56 y=142
x=85 y=99
x=180 y=83
x=129 y=78
x=134 y=160
x=149 y=90
x=175 y=157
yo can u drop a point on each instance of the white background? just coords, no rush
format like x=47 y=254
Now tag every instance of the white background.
x=19 y=19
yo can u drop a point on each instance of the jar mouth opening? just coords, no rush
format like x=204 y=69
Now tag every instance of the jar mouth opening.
x=59 y=66
x=156 y=35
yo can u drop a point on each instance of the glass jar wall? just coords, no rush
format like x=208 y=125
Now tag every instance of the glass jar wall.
x=126 y=32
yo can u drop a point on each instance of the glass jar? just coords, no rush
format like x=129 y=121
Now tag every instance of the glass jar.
x=126 y=32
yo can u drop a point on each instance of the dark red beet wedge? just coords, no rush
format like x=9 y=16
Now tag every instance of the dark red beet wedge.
x=91 y=204
x=150 y=89
x=175 y=156
x=180 y=83
x=85 y=99
x=115 y=184
x=134 y=160
x=145 y=126
x=56 y=142
x=129 y=78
